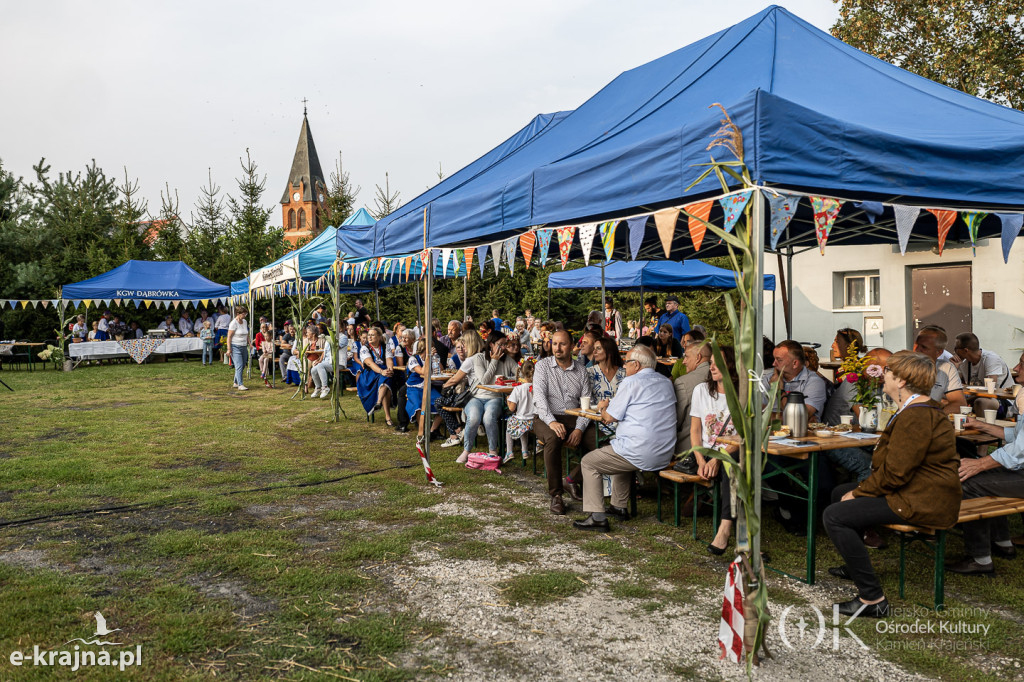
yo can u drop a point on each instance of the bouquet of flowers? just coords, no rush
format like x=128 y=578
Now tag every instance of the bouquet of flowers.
x=866 y=375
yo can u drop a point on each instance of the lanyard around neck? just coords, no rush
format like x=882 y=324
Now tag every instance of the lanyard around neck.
x=913 y=397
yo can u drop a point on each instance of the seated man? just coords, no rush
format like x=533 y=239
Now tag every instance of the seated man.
x=185 y=325
x=948 y=388
x=644 y=440
x=1000 y=474
x=977 y=365
x=791 y=368
x=587 y=342
x=559 y=381
x=697 y=358
x=169 y=326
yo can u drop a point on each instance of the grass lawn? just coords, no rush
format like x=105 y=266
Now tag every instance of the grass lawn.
x=245 y=536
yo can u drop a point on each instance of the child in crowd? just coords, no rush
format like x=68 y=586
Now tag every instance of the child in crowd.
x=94 y=334
x=206 y=334
x=520 y=402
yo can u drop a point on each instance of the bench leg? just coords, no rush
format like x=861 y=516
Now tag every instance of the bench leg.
x=632 y=496
x=696 y=506
x=903 y=563
x=940 y=570
x=716 y=512
x=675 y=501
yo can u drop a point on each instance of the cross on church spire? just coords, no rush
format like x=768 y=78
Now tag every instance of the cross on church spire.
x=304 y=100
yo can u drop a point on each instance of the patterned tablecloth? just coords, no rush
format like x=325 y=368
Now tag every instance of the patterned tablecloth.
x=5 y=348
x=139 y=349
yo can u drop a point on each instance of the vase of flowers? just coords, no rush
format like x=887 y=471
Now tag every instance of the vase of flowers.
x=867 y=378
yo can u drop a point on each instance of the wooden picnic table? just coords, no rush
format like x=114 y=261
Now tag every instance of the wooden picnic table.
x=668 y=361
x=494 y=388
x=982 y=392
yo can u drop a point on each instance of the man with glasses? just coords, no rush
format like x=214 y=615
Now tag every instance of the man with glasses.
x=697 y=358
x=644 y=440
x=948 y=388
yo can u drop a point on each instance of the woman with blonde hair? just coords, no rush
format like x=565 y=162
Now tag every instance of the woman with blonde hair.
x=374 y=383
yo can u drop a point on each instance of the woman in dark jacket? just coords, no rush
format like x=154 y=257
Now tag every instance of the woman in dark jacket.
x=914 y=479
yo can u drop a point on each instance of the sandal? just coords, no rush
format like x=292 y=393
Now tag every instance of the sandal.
x=389 y=422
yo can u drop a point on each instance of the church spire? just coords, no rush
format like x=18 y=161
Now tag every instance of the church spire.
x=306 y=172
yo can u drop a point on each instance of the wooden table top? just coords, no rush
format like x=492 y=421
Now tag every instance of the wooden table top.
x=808 y=444
x=579 y=412
x=494 y=388
x=668 y=361
x=982 y=392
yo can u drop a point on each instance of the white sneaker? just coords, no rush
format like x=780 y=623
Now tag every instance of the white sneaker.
x=480 y=431
x=242 y=388
x=451 y=442
x=315 y=393
x=325 y=394
x=234 y=385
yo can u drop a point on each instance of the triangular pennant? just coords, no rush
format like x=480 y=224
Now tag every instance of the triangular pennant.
x=636 y=234
x=1012 y=222
x=946 y=219
x=783 y=206
x=481 y=254
x=872 y=209
x=973 y=220
x=732 y=207
x=587 y=233
x=469 y=259
x=544 y=244
x=148 y=303
x=565 y=237
x=527 y=240
x=446 y=255
x=825 y=211
x=176 y=304
x=665 y=221
x=509 y=253
x=88 y=303
x=699 y=210
x=496 y=248
x=24 y=304
x=106 y=302
x=906 y=216
x=608 y=238
x=136 y=301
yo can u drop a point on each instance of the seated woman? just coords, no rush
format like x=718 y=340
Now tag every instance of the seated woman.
x=469 y=340
x=374 y=381
x=264 y=343
x=323 y=369
x=710 y=420
x=666 y=345
x=605 y=374
x=414 y=389
x=914 y=479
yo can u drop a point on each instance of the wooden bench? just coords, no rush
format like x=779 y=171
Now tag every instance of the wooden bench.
x=934 y=539
x=702 y=486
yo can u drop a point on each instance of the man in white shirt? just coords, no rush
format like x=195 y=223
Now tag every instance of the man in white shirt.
x=169 y=326
x=644 y=439
x=948 y=388
x=976 y=365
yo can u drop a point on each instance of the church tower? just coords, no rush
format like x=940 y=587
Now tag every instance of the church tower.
x=305 y=192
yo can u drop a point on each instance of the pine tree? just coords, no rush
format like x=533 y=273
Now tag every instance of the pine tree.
x=128 y=237
x=207 y=231
x=169 y=244
x=385 y=201
x=341 y=196
x=250 y=238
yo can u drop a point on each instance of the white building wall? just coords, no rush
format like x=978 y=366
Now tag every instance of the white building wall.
x=816 y=319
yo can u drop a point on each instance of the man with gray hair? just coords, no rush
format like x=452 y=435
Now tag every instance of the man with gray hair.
x=697 y=358
x=948 y=389
x=644 y=440
x=977 y=365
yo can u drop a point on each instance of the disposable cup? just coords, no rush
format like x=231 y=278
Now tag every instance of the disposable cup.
x=990 y=416
x=990 y=384
x=965 y=409
x=846 y=419
x=958 y=421
x=585 y=403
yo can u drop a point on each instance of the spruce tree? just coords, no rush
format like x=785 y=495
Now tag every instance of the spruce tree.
x=250 y=238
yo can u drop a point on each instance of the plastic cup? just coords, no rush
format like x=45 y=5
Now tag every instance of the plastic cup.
x=990 y=384
x=965 y=409
x=958 y=421
x=990 y=416
x=846 y=419
x=585 y=404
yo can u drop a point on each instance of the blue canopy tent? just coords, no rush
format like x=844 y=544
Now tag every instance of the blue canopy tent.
x=650 y=276
x=147 y=280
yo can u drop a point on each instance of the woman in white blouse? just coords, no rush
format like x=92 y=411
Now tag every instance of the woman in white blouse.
x=374 y=383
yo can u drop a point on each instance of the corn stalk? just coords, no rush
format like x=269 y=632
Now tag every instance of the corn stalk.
x=751 y=405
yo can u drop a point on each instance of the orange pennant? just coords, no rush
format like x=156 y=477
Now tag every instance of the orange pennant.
x=700 y=209
x=527 y=241
x=469 y=259
x=946 y=219
x=665 y=220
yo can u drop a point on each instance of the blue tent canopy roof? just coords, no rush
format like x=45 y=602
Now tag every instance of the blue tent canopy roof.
x=156 y=280
x=658 y=275
x=360 y=218
x=817 y=116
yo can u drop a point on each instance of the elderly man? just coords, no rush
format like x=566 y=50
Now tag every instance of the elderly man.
x=697 y=358
x=948 y=388
x=559 y=381
x=643 y=441
x=675 y=318
x=791 y=367
x=977 y=365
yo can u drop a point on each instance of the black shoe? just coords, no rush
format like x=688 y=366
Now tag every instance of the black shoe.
x=855 y=607
x=557 y=505
x=621 y=513
x=575 y=489
x=436 y=435
x=1004 y=552
x=791 y=525
x=840 y=572
x=402 y=428
x=968 y=566
x=590 y=524
x=717 y=551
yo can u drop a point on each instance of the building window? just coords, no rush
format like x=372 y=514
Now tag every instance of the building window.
x=316 y=220
x=861 y=290
x=302 y=219
x=291 y=219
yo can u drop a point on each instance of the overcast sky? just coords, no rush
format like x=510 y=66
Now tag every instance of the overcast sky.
x=170 y=89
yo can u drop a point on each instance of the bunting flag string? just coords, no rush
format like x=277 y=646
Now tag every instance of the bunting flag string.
x=973 y=220
x=527 y=240
x=587 y=233
x=825 y=211
x=636 y=226
x=1012 y=222
x=946 y=219
x=468 y=253
x=496 y=248
x=544 y=244
x=906 y=216
x=698 y=211
x=608 y=238
x=482 y=257
x=783 y=207
x=446 y=255
x=509 y=251
x=565 y=237
x=665 y=221
x=733 y=206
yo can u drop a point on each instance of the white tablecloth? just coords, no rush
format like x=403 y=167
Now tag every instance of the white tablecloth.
x=112 y=349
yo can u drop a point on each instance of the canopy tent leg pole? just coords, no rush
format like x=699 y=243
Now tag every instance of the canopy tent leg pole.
x=465 y=297
x=788 y=285
x=418 y=321
x=549 y=298
x=428 y=360
x=376 y=296
x=602 y=287
x=273 y=329
x=640 y=320
x=785 y=298
x=753 y=394
x=252 y=314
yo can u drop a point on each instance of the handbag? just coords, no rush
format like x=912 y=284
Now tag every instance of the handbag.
x=451 y=397
x=688 y=465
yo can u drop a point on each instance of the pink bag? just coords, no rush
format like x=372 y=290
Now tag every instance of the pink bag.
x=485 y=461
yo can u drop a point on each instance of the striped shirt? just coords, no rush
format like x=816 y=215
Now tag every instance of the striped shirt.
x=556 y=390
